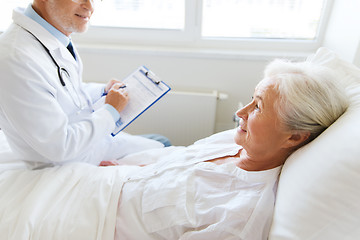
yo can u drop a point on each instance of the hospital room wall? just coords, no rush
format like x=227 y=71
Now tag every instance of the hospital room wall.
x=343 y=32
x=234 y=76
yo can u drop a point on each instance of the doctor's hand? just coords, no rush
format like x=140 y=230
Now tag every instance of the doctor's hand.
x=110 y=84
x=117 y=97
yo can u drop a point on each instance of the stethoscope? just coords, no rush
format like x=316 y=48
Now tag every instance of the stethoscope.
x=62 y=72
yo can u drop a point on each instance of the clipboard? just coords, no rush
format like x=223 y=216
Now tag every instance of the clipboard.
x=144 y=89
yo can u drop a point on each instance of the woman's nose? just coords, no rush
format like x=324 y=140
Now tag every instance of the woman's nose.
x=243 y=112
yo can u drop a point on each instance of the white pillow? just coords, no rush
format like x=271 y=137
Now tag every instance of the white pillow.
x=319 y=189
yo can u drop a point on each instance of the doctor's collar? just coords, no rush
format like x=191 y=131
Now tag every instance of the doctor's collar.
x=30 y=12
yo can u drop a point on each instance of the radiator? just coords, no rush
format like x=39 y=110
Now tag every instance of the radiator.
x=183 y=117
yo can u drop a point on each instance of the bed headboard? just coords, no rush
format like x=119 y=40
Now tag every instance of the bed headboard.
x=319 y=189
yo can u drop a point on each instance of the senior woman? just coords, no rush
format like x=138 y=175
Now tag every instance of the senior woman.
x=223 y=186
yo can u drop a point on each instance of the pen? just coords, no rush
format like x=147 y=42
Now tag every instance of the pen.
x=105 y=93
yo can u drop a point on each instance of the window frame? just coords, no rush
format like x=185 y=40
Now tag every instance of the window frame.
x=190 y=37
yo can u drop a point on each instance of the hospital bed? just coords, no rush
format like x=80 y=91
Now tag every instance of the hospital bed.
x=318 y=194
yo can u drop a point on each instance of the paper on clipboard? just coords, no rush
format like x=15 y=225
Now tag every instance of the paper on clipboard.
x=144 y=89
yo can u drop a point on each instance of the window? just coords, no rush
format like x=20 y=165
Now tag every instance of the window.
x=280 y=19
x=6 y=7
x=156 y=14
x=224 y=23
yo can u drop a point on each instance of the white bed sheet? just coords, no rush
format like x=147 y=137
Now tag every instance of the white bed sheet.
x=80 y=201
x=74 y=201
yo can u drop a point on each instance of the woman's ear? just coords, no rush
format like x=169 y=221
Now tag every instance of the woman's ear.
x=297 y=139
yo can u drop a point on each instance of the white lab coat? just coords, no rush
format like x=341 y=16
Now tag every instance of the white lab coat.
x=41 y=118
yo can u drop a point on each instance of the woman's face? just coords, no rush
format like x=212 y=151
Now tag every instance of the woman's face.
x=260 y=131
x=68 y=16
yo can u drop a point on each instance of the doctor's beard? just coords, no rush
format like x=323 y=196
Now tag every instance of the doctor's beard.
x=68 y=18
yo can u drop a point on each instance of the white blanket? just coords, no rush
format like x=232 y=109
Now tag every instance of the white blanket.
x=79 y=201
x=75 y=201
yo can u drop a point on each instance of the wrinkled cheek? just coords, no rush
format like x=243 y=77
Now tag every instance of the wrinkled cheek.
x=237 y=139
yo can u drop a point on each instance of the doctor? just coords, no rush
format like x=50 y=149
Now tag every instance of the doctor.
x=46 y=112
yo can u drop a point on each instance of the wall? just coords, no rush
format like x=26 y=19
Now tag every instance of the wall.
x=235 y=74
x=183 y=71
x=343 y=33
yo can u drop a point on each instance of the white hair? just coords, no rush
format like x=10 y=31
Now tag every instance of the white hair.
x=310 y=97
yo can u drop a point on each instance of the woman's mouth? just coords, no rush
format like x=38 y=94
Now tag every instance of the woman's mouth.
x=241 y=125
x=241 y=129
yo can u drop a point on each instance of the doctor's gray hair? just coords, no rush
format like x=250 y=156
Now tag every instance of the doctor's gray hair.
x=310 y=97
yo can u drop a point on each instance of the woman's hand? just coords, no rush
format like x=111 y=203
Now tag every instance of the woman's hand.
x=109 y=163
x=114 y=163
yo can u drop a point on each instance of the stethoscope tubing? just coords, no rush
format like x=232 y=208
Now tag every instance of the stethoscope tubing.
x=60 y=70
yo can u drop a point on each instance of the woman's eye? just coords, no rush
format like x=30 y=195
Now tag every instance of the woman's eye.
x=257 y=108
